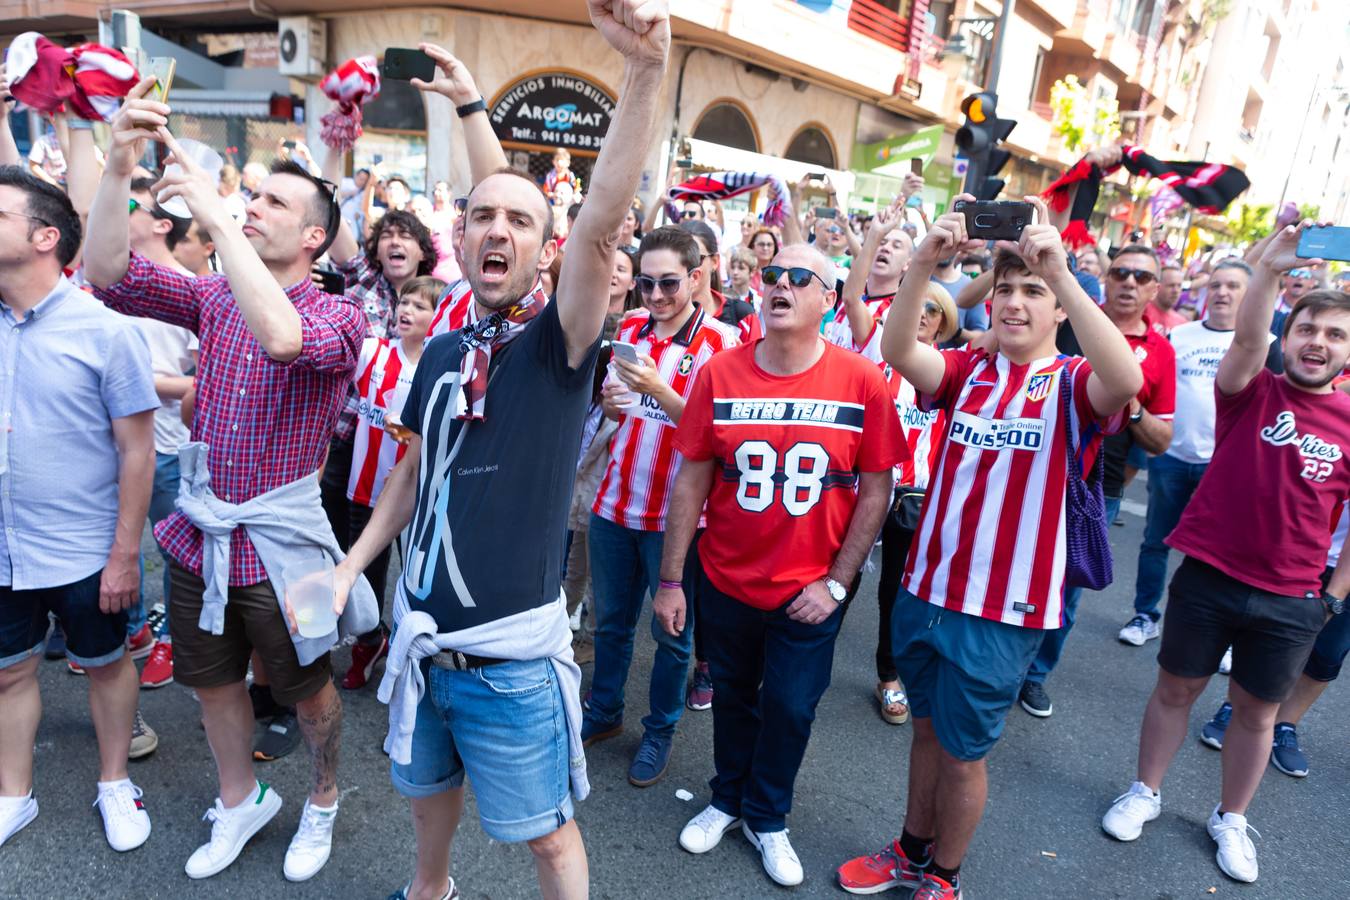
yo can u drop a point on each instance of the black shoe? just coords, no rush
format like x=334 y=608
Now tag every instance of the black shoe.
x=280 y=735
x=56 y=643
x=1035 y=700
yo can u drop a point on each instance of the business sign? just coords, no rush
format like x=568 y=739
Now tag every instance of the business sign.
x=553 y=109
x=891 y=157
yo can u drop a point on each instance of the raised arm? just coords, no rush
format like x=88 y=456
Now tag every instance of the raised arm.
x=9 y=151
x=345 y=245
x=456 y=82
x=641 y=32
x=920 y=364
x=859 y=319
x=1247 y=354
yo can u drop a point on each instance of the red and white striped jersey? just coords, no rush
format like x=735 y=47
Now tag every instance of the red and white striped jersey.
x=923 y=428
x=383 y=378
x=991 y=538
x=455 y=310
x=840 y=333
x=635 y=490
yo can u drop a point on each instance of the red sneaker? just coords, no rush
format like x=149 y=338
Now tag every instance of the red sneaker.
x=141 y=644
x=880 y=872
x=934 y=888
x=158 y=669
x=364 y=658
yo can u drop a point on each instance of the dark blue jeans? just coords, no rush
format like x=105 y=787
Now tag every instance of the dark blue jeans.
x=768 y=674
x=1171 y=483
x=625 y=567
x=1052 y=645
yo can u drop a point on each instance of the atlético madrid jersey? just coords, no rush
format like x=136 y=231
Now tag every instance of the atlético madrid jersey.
x=453 y=312
x=788 y=451
x=991 y=537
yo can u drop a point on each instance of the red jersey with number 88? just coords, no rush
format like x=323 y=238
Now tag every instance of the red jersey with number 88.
x=787 y=450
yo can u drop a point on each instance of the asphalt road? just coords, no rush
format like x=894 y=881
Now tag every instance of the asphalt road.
x=1050 y=781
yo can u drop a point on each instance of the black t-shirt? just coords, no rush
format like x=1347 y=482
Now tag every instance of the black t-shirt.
x=488 y=529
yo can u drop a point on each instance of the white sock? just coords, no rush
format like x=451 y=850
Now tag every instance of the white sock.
x=112 y=784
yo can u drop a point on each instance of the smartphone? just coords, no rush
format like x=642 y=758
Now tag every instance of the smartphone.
x=995 y=220
x=403 y=64
x=333 y=281
x=163 y=68
x=916 y=166
x=626 y=352
x=826 y=212
x=289 y=145
x=818 y=176
x=1325 y=242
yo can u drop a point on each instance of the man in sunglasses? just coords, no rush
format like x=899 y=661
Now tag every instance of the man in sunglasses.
x=675 y=340
x=984 y=580
x=789 y=441
x=1131 y=285
x=277 y=363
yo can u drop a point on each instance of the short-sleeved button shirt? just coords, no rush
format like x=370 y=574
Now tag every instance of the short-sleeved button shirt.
x=67 y=369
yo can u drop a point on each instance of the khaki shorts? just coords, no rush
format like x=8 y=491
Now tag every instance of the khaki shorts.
x=253 y=621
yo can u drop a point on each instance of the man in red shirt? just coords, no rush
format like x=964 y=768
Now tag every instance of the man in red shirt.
x=789 y=439
x=675 y=339
x=1251 y=578
x=1131 y=286
x=985 y=577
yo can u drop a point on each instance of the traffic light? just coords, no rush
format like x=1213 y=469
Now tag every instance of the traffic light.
x=978 y=140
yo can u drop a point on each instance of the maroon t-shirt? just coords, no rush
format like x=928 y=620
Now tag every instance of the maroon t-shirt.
x=1265 y=510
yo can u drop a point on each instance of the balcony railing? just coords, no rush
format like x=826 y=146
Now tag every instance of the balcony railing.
x=880 y=23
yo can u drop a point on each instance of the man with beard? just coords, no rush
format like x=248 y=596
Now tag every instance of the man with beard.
x=480 y=677
x=1131 y=282
x=1251 y=578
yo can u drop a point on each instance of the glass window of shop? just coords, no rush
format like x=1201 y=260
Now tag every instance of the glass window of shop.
x=811 y=145
x=395 y=134
x=727 y=124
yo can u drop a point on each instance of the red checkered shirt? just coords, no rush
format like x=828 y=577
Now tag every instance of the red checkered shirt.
x=367 y=286
x=267 y=423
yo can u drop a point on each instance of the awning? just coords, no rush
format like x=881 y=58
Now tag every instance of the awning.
x=731 y=159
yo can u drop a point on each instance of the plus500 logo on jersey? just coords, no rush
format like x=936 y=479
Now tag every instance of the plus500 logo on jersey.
x=997 y=434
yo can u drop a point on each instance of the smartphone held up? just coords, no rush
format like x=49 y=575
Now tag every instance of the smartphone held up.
x=995 y=220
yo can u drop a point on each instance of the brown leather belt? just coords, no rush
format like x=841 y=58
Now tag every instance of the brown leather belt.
x=463 y=662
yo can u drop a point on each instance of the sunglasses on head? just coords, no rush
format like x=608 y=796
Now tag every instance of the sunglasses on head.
x=647 y=285
x=797 y=276
x=1141 y=276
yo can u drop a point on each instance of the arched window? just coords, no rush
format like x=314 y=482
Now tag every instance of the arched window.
x=397 y=108
x=727 y=124
x=811 y=145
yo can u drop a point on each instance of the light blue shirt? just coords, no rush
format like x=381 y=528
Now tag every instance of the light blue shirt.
x=67 y=369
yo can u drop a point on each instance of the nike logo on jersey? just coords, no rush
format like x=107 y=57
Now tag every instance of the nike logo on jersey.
x=1285 y=432
x=997 y=434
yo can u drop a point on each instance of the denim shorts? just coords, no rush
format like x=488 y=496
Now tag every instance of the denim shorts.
x=504 y=727
x=962 y=671
x=93 y=638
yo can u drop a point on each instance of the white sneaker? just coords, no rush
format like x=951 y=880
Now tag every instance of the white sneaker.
x=1125 y=820
x=775 y=851
x=312 y=844
x=230 y=830
x=15 y=814
x=1226 y=664
x=705 y=830
x=1237 y=855
x=1139 y=631
x=125 y=821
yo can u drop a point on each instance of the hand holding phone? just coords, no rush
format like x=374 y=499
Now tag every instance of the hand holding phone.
x=405 y=64
x=995 y=220
x=1325 y=242
x=163 y=69
x=626 y=352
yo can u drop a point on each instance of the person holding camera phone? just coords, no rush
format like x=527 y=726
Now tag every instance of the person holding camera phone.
x=984 y=578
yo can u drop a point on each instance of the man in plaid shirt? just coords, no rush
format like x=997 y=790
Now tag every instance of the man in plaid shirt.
x=277 y=356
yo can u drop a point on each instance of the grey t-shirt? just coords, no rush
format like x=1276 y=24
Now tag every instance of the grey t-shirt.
x=488 y=529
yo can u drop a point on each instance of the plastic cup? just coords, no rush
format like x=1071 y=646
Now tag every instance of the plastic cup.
x=203 y=156
x=626 y=400
x=309 y=591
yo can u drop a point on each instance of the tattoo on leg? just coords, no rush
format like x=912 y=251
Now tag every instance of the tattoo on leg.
x=322 y=733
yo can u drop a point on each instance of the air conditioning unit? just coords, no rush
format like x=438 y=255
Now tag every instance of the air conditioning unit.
x=302 y=46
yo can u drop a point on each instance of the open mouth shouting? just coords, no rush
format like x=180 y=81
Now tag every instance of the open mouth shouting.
x=494 y=267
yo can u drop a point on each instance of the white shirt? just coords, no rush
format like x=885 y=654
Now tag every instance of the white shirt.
x=1199 y=350
x=171 y=350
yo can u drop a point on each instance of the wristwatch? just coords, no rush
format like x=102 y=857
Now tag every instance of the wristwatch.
x=469 y=109
x=838 y=592
x=1136 y=418
x=1333 y=603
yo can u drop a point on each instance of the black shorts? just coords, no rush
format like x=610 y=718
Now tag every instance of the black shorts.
x=1271 y=635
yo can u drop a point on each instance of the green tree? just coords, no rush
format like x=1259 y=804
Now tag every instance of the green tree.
x=1078 y=119
x=1251 y=221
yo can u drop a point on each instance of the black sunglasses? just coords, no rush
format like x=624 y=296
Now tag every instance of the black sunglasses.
x=646 y=284
x=689 y=214
x=797 y=276
x=461 y=203
x=1141 y=276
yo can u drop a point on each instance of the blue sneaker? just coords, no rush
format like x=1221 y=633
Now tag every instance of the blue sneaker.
x=1285 y=754
x=593 y=732
x=1212 y=734
x=651 y=762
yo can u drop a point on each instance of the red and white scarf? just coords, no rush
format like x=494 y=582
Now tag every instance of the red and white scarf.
x=88 y=80
x=479 y=339
x=721 y=185
x=351 y=85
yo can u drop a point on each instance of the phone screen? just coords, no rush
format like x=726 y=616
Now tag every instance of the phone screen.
x=163 y=68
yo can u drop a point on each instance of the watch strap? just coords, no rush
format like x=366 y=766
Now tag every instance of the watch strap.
x=468 y=109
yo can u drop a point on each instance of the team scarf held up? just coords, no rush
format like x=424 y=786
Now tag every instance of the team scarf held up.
x=1209 y=187
x=88 y=80
x=721 y=185
x=480 y=339
x=350 y=86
